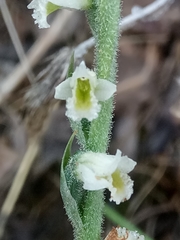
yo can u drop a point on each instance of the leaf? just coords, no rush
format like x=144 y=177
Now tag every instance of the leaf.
x=71 y=67
x=69 y=202
x=67 y=152
x=85 y=127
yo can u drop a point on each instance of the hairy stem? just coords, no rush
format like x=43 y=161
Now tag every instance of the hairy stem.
x=103 y=18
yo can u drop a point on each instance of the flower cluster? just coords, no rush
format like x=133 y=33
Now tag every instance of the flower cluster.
x=123 y=234
x=98 y=171
x=42 y=8
x=82 y=93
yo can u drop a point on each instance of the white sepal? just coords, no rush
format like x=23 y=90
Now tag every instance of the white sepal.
x=104 y=90
x=63 y=90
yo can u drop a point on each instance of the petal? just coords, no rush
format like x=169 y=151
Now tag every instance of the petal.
x=63 y=90
x=76 y=4
x=90 y=180
x=39 y=12
x=100 y=163
x=125 y=164
x=125 y=191
x=76 y=114
x=104 y=90
x=83 y=72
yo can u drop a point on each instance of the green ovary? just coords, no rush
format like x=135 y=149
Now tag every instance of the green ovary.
x=50 y=7
x=117 y=181
x=82 y=93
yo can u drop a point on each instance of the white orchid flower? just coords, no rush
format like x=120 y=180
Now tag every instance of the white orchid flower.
x=99 y=170
x=124 y=234
x=42 y=8
x=82 y=93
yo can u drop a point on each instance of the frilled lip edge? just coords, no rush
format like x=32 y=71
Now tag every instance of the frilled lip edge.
x=39 y=13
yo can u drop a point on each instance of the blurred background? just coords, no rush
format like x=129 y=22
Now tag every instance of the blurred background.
x=34 y=130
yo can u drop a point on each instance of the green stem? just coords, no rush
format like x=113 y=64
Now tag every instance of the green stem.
x=103 y=19
x=106 y=20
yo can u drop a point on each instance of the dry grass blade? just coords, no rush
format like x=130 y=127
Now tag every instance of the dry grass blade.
x=56 y=71
x=15 y=38
x=148 y=187
x=34 y=54
x=25 y=167
x=43 y=44
x=18 y=183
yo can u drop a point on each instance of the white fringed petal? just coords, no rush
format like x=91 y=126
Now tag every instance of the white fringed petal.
x=124 y=191
x=39 y=12
x=76 y=114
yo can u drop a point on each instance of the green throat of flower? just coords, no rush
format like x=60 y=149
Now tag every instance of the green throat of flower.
x=83 y=94
x=117 y=181
x=50 y=7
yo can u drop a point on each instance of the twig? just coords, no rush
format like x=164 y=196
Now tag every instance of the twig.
x=34 y=54
x=129 y=21
x=18 y=183
x=22 y=173
x=125 y=24
x=43 y=43
x=56 y=71
x=15 y=38
x=148 y=187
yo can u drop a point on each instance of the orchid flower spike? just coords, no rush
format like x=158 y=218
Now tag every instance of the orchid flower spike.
x=99 y=170
x=82 y=93
x=42 y=8
x=124 y=234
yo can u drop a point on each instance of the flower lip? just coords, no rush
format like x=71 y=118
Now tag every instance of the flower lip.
x=83 y=93
x=39 y=12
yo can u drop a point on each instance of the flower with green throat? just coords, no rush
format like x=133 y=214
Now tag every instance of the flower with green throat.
x=83 y=93
x=99 y=170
